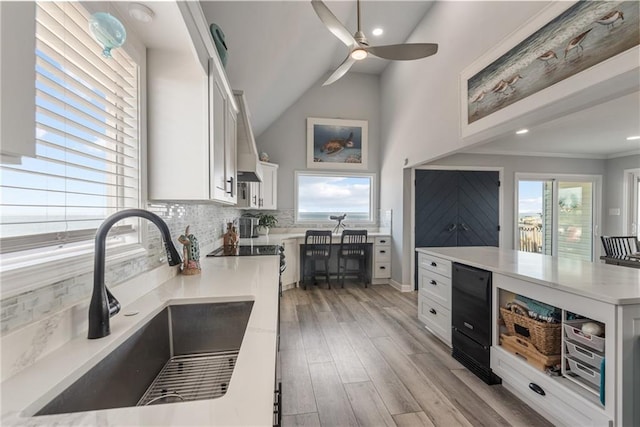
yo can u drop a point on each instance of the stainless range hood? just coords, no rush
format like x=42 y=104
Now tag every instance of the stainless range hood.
x=249 y=168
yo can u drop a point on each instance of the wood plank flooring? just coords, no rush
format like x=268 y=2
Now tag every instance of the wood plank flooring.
x=360 y=357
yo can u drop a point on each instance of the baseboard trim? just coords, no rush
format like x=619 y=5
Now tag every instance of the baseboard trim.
x=289 y=286
x=402 y=287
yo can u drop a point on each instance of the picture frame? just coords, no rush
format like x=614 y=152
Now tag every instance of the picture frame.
x=337 y=144
x=559 y=28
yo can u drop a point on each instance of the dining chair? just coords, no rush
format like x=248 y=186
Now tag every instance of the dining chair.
x=317 y=247
x=353 y=246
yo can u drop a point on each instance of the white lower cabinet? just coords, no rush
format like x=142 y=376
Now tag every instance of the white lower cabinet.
x=381 y=259
x=291 y=253
x=434 y=295
x=553 y=398
x=564 y=400
x=436 y=318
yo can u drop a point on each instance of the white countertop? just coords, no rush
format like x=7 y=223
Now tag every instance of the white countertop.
x=602 y=282
x=277 y=238
x=249 y=399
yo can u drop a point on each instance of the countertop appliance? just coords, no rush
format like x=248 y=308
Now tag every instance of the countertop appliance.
x=248 y=227
x=471 y=320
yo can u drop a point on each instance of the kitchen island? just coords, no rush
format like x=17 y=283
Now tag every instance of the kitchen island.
x=250 y=395
x=603 y=293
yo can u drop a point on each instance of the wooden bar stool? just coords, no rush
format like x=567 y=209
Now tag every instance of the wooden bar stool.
x=353 y=246
x=317 y=247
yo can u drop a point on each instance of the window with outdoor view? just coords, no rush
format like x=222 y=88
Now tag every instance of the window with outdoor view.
x=321 y=195
x=86 y=165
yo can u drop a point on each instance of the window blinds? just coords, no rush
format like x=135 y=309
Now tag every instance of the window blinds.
x=86 y=165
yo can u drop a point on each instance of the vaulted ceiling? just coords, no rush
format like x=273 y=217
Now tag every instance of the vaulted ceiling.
x=280 y=49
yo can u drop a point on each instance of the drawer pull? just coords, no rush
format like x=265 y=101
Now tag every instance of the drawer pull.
x=433 y=264
x=382 y=267
x=433 y=282
x=535 y=387
x=383 y=252
x=383 y=241
x=432 y=311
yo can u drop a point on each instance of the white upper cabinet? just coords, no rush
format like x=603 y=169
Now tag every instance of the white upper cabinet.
x=192 y=118
x=17 y=81
x=260 y=195
x=269 y=187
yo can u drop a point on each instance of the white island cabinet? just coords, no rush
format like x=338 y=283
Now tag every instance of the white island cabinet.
x=599 y=383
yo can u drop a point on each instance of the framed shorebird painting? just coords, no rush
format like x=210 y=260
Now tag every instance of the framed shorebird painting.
x=337 y=144
x=539 y=63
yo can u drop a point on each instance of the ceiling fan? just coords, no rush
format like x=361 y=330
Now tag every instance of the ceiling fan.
x=359 y=46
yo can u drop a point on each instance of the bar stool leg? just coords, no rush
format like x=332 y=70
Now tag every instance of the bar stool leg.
x=326 y=270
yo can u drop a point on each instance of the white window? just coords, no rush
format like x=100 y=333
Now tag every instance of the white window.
x=558 y=215
x=87 y=161
x=321 y=195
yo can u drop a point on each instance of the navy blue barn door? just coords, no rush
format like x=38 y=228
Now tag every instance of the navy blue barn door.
x=456 y=208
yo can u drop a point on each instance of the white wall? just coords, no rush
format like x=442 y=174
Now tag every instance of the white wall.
x=613 y=192
x=420 y=118
x=355 y=96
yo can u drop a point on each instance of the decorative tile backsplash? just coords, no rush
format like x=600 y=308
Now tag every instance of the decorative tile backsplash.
x=206 y=221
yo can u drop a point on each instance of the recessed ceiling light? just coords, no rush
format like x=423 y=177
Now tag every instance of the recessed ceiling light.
x=633 y=138
x=140 y=12
x=522 y=131
x=377 y=31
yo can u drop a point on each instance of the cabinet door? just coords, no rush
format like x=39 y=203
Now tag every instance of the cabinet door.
x=230 y=158
x=218 y=106
x=478 y=201
x=269 y=188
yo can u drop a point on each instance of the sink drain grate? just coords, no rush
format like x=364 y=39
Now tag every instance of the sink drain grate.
x=192 y=377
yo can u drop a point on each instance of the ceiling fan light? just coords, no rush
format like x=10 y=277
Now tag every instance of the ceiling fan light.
x=359 y=54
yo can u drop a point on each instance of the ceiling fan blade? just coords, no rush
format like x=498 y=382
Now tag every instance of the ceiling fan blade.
x=331 y=22
x=340 y=71
x=403 y=52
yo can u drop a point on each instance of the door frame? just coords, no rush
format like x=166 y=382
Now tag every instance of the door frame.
x=498 y=169
x=629 y=196
x=597 y=206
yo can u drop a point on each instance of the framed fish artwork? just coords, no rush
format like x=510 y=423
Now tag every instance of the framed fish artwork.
x=337 y=144
x=569 y=49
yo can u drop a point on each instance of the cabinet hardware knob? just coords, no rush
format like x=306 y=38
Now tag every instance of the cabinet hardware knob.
x=432 y=311
x=452 y=227
x=535 y=387
x=433 y=264
x=383 y=268
x=383 y=241
x=433 y=282
x=383 y=252
x=464 y=226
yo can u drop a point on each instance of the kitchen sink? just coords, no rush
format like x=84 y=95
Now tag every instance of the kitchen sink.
x=186 y=352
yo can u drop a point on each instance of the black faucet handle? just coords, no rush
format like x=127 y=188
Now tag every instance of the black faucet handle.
x=173 y=256
x=114 y=304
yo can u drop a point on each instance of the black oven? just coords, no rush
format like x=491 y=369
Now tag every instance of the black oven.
x=471 y=320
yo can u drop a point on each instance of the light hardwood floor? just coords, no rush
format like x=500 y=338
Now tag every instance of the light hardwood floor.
x=360 y=356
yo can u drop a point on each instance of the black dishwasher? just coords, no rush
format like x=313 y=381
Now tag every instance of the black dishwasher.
x=471 y=320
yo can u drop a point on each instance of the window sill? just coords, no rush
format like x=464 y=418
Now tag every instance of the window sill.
x=27 y=274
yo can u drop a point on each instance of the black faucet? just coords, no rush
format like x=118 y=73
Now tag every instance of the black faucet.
x=103 y=304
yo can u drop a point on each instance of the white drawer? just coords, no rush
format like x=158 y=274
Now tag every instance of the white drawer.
x=382 y=253
x=559 y=404
x=435 y=286
x=382 y=240
x=382 y=270
x=435 y=264
x=435 y=317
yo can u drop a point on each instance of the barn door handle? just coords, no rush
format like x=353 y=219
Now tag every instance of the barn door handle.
x=452 y=227
x=464 y=226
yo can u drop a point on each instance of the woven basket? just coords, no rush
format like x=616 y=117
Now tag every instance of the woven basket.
x=546 y=337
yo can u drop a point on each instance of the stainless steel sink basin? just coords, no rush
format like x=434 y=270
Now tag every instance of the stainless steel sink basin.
x=186 y=352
